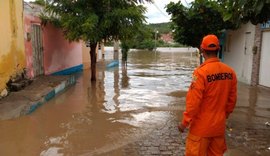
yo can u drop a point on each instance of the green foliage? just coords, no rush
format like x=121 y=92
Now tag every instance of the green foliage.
x=162 y=28
x=95 y=20
x=242 y=11
x=161 y=43
x=191 y=24
x=142 y=39
x=145 y=37
x=147 y=44
x=208 y=16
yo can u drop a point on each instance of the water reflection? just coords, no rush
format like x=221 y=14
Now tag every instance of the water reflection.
x=248 y=134
x=124 y=77
x=123 y=105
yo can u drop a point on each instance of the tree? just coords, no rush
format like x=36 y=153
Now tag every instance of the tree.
x=237 y=12
x=208 y=16
x=92 y=20
x=191 y=24
x=141 y=39
x=142 y=35
x=162 y=28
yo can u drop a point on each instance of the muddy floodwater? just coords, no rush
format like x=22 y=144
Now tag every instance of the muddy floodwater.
x=132 y=110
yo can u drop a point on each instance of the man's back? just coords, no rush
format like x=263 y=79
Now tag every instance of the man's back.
x=215 y=88
x=210 y=99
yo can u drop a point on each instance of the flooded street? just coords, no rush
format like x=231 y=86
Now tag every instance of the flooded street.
x=248 y=132
x=132 y=110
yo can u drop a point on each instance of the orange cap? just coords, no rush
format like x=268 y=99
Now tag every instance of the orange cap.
x=210 y=42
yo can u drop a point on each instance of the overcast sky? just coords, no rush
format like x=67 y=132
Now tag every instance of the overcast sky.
x=156 y=13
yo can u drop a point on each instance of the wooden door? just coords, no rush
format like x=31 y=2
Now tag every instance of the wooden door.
x=37 y=50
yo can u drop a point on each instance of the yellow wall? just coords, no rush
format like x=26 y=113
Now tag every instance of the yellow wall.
x=12 y=56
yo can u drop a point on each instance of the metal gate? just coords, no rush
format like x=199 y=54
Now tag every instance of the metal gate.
x=37 y=50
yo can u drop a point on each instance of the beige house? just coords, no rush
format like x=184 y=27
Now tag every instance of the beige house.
x=247 y=50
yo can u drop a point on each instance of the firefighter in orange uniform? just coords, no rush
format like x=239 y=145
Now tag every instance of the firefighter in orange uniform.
x=209 y=101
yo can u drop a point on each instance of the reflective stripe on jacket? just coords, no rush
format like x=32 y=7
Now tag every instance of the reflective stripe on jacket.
x=210 y=99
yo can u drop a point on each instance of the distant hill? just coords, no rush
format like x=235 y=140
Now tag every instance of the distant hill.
x=162 y=28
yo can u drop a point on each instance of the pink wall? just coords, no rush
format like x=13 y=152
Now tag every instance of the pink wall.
x=28 y=20
x=59 y=54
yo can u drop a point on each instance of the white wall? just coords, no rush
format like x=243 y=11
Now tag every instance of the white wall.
x=238 y=51
x=264 y=78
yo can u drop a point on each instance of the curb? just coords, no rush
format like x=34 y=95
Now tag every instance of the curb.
x=113 y=63
x=51 y=94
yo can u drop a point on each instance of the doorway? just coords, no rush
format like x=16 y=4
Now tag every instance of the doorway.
x=37 y=48
x=264 y=77
x=247 y=61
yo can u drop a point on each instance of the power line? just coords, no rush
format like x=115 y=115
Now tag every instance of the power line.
x=187 y=3
x=160 y=10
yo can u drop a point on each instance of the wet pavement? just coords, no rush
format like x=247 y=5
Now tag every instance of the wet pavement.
x=27 y=100
x=247 y=131
x=132 y=110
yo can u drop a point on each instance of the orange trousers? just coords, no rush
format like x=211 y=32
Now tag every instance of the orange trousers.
x=201 y=146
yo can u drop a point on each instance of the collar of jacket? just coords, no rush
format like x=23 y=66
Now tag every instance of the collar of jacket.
x=210 y=60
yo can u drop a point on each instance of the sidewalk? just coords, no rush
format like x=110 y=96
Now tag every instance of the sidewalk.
x=246 y=134
x=26 y=101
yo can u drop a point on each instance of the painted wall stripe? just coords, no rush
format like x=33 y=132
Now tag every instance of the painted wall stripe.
x=54 y=92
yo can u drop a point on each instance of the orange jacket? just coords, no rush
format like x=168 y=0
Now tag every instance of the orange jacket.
x=210 y=99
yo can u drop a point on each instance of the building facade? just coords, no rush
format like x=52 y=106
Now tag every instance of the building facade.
x=247 y=50
x=262 y=62
x=47 y=50
x=12 y=51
